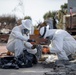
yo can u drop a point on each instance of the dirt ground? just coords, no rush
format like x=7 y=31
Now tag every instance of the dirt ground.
x=3 y=47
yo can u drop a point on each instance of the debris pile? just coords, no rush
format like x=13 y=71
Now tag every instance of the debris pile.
x=59 y=68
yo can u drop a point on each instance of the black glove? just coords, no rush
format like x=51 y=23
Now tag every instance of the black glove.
x=31 y=40
x=34 y=46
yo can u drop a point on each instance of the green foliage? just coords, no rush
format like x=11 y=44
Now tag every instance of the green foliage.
x=61 y=13
x=49 y=14
x=58 y=14
x=53 y=14
x=65 y=6
x=27 y=17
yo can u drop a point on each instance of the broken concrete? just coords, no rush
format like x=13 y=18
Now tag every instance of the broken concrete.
x=62 y=69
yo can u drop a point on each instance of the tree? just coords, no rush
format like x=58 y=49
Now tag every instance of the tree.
x=47 y=15
x=61 y=13
x=50 y=14
x=65 y=6
x=53 y=14
x=58 y=14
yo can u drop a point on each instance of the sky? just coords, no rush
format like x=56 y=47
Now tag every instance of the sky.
x=33 y=8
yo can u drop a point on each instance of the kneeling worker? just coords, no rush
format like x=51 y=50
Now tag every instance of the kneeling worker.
x=62 y=43
x=18 y=39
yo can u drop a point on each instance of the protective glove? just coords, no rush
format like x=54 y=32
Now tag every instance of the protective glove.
x=31 y=40
x=34 y=46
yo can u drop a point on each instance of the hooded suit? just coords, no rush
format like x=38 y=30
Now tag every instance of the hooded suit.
x=17 y=41
x=62 y=43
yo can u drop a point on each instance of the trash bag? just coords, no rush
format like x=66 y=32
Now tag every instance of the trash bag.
x=8 y=63
x=0 y=63
x=26 y=60
x=10 y=66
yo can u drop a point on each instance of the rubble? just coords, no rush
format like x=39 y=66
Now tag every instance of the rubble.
x=51 y=68
x=62 y=69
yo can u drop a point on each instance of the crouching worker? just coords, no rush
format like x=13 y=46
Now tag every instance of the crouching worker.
x=18 y=41
x=62 y=43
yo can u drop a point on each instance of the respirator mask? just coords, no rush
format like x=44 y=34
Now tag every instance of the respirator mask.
x=26 y=31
